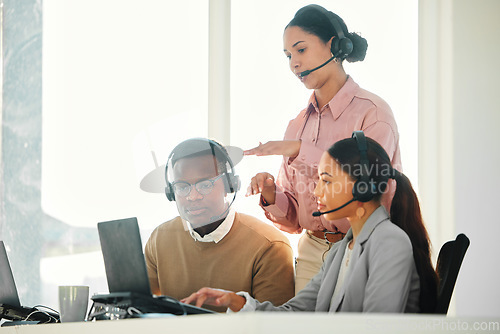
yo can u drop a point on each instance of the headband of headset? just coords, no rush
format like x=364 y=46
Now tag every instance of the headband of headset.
x=363 y=190
x=201 y=146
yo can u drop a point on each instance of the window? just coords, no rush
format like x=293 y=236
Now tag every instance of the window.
x=123 y=83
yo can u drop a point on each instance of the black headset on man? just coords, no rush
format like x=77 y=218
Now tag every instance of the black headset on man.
x=231 y=181
x=341 y=46
x=363 y=190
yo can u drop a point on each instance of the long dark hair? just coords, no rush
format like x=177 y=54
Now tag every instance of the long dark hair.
x=404 y=212
x=315 y=20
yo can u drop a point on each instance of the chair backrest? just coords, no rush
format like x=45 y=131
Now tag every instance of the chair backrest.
x=448 y=264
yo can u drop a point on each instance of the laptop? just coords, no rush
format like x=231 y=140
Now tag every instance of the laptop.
x=10 y=306
x=127 y=275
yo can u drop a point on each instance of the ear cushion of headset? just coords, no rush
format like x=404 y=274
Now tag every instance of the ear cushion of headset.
x=342 y=47
x=346 y=46
x=362 y=191
x=169 y=193
x=233 y=183
x=236 y=183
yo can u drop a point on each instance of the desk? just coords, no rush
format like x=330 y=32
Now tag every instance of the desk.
x=258 y=323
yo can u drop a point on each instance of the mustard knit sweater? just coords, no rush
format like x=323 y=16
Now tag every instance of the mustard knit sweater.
x=253 y=257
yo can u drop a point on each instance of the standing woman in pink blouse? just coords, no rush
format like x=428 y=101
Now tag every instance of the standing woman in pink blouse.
x=316 y=43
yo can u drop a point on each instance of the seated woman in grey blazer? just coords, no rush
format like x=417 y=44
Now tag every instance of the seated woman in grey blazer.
x=382 y=265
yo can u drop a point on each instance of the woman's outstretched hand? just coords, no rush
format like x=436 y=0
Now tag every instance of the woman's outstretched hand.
x=287 y=148
x=216 y=297
x=263 y=183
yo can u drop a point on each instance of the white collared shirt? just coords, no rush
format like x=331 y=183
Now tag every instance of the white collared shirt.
x=218 y=234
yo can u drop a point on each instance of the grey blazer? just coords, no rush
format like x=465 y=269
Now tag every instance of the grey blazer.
x=381 y=276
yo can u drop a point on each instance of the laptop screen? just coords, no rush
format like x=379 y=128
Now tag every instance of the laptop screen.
x=123 y=256
x=8 y=290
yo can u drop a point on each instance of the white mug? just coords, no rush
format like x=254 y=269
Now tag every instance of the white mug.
x=73 y=302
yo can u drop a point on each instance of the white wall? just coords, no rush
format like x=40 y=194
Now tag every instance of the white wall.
x=476 y=27
x=459 y=157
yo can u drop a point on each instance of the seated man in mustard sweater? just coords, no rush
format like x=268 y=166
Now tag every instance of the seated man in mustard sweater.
x=209 y=244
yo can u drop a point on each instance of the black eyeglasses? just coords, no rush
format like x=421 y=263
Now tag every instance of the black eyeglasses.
x=182 y=188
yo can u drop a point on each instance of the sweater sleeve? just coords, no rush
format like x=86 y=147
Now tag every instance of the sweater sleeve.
x=275 y=265
x=151 y=263
x=304 y=301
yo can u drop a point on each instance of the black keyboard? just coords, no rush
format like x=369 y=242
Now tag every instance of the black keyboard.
x=147 y=304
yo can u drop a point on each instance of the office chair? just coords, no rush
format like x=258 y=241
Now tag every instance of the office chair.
x=448 y=264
